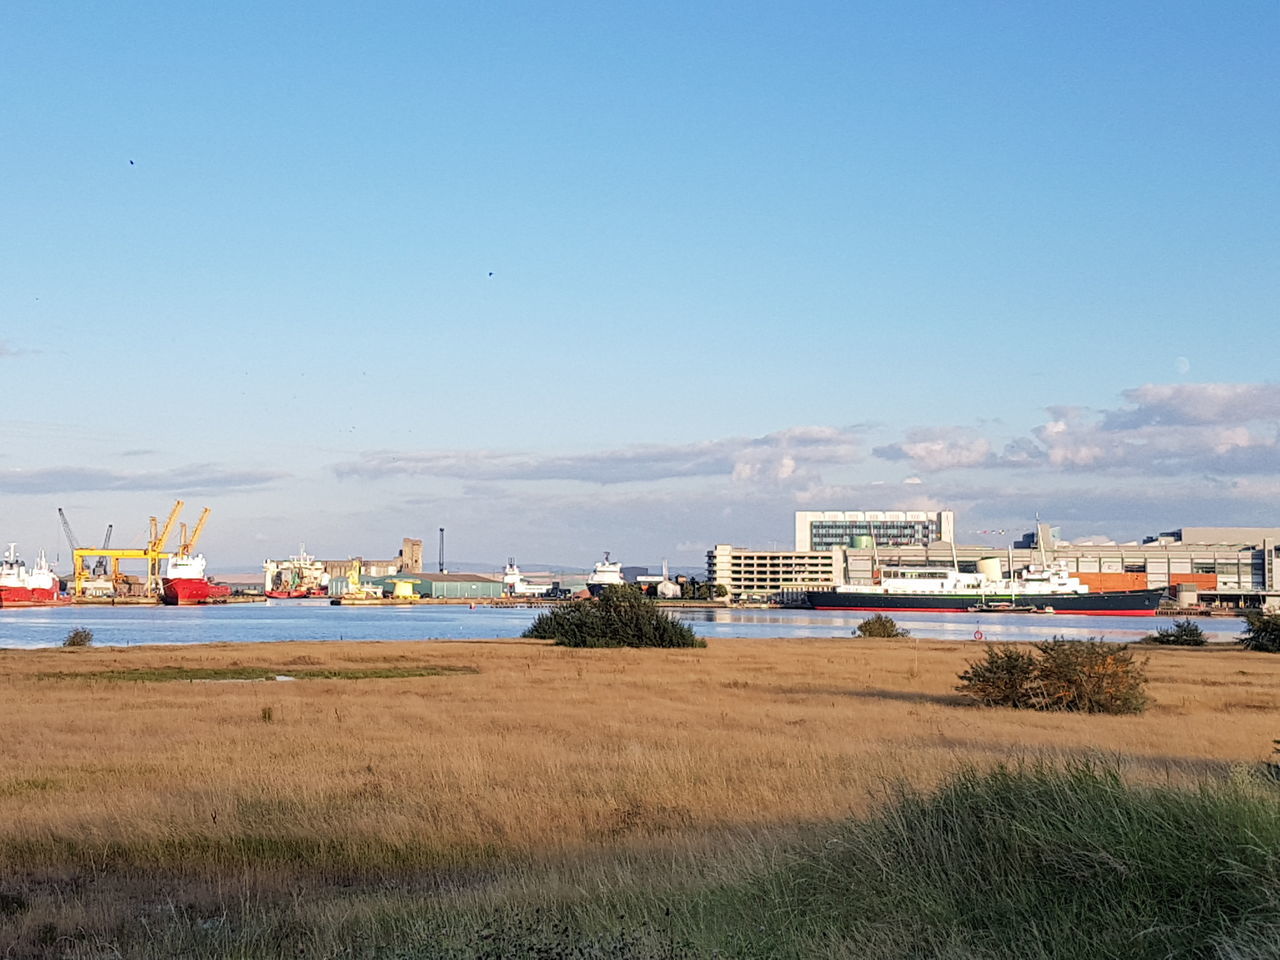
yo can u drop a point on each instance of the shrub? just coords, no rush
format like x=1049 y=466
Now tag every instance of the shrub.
x=881 y=626
x=79 y=637
x=1090 y=676
x=620 y=617
x=1262 y=631
x=1183 y=633
x=1002 y=678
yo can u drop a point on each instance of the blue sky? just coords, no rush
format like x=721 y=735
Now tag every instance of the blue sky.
x=745 y=259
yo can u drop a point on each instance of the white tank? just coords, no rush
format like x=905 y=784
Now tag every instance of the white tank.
x=989 y=567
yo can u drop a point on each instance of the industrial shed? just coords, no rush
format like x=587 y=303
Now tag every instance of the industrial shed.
x=444 y=586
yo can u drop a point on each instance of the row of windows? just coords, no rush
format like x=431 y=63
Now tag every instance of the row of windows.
x=868 y=529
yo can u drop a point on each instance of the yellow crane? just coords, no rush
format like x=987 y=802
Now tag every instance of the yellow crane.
x=187 y=545
x=155 y=547
x=154 y=552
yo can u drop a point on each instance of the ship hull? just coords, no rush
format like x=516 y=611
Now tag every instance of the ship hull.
x=189 y=591
x=1111 y=603
x=30 y=597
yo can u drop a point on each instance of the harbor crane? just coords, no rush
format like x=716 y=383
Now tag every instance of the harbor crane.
x=100 y=562
x=188 y=544
x=154 y=552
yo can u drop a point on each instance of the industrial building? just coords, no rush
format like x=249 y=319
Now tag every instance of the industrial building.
x=443 y=586
x=408 y=560
x=824 y=529
x=1212 y=566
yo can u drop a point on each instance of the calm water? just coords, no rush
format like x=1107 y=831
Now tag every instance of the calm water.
x=302 y=620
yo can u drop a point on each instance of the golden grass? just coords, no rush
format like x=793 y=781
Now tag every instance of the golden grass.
x=543 y=751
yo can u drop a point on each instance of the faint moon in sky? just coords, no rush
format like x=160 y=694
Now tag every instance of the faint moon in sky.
x=1182 y=365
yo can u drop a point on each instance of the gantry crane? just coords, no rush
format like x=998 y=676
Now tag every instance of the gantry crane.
x=153 y=552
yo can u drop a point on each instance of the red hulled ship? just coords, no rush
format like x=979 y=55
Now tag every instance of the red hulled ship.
x=185 y=582
x=23 y=587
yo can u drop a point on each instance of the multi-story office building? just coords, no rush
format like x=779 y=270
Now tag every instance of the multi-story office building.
x=824 y=529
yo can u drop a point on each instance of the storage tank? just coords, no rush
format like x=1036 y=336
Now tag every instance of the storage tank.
x=1188 y=595
x=863 y=542
x=989 y=567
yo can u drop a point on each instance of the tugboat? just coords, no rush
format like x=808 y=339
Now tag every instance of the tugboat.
x=23 y=587
x=605 y=573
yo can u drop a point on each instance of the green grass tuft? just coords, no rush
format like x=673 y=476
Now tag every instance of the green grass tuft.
x=1037 y=863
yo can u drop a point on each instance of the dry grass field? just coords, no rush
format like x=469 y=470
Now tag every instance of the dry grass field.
x=518 y=769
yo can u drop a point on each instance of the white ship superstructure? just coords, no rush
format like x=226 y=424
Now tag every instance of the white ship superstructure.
x=605 y=573
x=22 y=586
x=299 y=576
x=14 y=573
x=515 y=585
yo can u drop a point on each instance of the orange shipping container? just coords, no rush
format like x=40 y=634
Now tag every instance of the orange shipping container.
x=1104 y=582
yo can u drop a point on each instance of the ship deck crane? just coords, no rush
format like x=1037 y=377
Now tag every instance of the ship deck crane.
x=187 y=545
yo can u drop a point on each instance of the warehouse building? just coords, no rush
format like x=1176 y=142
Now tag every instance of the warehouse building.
x=430 y=586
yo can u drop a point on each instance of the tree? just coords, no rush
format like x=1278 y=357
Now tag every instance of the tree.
x=1183 y=633
x=1262 y=631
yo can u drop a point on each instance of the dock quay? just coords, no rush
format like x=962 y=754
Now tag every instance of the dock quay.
x=153 y=601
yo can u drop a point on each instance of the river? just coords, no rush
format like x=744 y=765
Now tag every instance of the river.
x=316 y=620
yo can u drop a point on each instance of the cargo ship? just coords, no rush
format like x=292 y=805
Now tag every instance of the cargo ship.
x=603 y=574
x=1037 y=589
x=185 y=583
x=298 y=577
x=21 y=586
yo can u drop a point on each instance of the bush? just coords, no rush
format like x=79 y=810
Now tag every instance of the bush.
x=1001 y=679
x=620 y=617
x=881 y=626
x=79 y=637
x=1183 y=633
x=1262 y=631
x=1090 y=676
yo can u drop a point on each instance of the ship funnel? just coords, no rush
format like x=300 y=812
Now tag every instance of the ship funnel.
x=989 y=567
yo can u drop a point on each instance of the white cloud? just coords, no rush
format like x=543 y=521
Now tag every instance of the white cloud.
x=1161 y=429
x=195 y=478
x=786 y=455
x=939 y=448
x=1192 y=404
